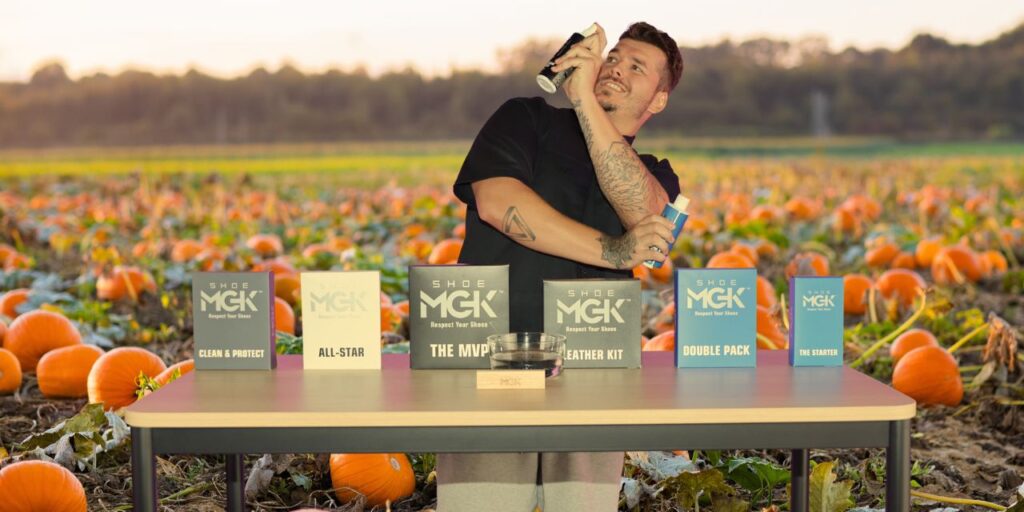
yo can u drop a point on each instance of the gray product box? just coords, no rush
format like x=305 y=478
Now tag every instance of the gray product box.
x=600 y=319
x=452 y=311
x=233 y=318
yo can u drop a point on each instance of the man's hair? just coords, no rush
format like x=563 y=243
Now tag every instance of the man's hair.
x=646 y=33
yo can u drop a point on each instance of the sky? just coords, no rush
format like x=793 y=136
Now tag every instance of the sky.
x=231 y=37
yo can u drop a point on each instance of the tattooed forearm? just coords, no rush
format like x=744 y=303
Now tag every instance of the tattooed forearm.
x=617 y=250
x=623 y=177
x=515 y=227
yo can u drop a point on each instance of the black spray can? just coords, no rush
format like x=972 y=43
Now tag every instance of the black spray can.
x=551 y=81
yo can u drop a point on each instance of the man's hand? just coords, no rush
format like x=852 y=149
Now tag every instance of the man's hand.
x=649 y=239
x=586 y=57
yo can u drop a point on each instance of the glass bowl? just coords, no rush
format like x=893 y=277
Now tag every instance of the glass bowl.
x=527 y=351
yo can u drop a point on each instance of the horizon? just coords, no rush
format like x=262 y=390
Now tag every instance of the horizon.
x=141 y=38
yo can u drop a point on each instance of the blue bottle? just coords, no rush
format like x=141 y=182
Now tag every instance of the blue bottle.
x=675 y=212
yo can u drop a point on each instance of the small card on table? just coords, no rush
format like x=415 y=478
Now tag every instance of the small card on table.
x=510 y=379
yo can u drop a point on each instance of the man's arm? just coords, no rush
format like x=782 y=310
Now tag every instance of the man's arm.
x=520 y=214
x=631 y=189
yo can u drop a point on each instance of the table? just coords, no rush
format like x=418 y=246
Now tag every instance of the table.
x=658 y=407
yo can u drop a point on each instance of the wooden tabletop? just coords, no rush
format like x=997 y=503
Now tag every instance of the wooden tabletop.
x=396 y=396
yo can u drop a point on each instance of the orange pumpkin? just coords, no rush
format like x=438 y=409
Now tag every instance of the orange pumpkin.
x=3 y=331
x=113 y=378
x=390 y=319
x=63 y=373
x=459 y=231
x=37 y=332
x=186 y=250
x=403 y=307
x=313 y=250
x=909 y=340
x=766 y=293
x=665 y=341
x=929 y=375
x=926 y=250
x=802 y=208
x=993 y=263
x=642 y=273
x=663 y=274
x=904 y=260
x=807 y=264
x=10 y=373
x=167 y=376
x=5 y=251
x=287 y=286
x=855 y=292
x=900 y=283
x=18 y=261
x=747 y=250
x=265 y=245
x=882 y=254
x=445 y=252
x=729 y=259
x=769 y=328
x=846 y=220
x=32 y=485
x=276 y=265
x=10 y=300
x=284 y=316
x=953 y=261
x=381 y=477
x=123 y=282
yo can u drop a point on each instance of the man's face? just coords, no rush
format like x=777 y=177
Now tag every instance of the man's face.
x=629 y=77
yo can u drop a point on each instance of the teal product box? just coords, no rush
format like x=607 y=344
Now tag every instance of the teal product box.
x=233 y=320
x=816 y=321
x=716 y=318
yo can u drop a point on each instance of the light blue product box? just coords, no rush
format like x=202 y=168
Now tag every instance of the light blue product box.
x=716 y=318
x=816 y=321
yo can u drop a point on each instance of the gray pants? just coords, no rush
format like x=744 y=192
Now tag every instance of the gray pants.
x=508 y=481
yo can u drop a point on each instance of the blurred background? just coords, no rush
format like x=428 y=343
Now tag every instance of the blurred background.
x=117 y=73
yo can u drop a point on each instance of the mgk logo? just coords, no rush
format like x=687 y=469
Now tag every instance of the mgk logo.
x=229 y=301
x=458 y=304
x=338 y=301
x=590 y=311
x=819 y=300
x=716 y=298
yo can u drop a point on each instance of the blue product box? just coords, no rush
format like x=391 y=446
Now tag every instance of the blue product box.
x=716 y=318
x=816 y=321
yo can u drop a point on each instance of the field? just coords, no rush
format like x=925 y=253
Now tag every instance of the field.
x=96 y=245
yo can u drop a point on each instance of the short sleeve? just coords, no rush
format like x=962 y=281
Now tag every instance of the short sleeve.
x=662 y=171
x=505 y=147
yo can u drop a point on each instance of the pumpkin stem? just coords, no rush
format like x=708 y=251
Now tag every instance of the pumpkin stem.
x=955 y=272
x=892 y=335
x=955 y=501
x=785 y=310
x=871 y=305
x=767 y=341
x=967 y=337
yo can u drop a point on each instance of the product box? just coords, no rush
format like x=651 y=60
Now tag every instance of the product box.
x=600 y=319
x=816 y=321
x=716 y=318
x=233 y=319
x=341 y=320
x=452 y=311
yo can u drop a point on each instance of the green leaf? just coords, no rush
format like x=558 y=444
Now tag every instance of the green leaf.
x=301 y=480
x=688 y=487
x=826 y=494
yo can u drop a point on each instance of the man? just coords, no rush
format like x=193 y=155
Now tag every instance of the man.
x=560 y=194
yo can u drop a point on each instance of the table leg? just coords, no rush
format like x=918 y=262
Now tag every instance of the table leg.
x=799 y=480
x=235 y=486
x=897 y=467
x=144 y=489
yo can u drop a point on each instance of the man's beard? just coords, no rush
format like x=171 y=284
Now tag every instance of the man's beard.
x=608 y=107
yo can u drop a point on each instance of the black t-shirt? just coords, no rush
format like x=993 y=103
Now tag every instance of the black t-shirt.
x=543 y=147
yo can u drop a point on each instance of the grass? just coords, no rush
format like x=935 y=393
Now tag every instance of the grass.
x=410 y=163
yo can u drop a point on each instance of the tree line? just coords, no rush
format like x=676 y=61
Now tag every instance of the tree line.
x=931 y=88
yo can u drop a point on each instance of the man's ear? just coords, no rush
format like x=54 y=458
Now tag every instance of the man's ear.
x=658 y=103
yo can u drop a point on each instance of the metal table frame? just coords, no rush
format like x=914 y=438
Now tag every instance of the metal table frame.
x=894 y=436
